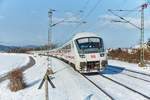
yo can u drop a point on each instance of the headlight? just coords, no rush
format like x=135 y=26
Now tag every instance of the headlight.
x=102 y=54
x=82 y=64
x=82 y=56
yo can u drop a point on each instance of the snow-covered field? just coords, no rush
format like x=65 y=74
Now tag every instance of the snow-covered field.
x=10 y=61
x=70 y=85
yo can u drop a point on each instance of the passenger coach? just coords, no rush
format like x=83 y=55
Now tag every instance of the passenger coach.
x=85 y=51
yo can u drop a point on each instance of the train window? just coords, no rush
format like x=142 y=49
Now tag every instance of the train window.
x=90 y=44
x=94 y=40
x=83 y=40
x=69 y=46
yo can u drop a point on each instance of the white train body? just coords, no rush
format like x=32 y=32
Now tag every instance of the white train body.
x=85 y=51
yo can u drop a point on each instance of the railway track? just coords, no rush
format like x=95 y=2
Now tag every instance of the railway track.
x=146 y=97
x=130 y=70
x=129 y=75
x=105 y=93
x=116 y=82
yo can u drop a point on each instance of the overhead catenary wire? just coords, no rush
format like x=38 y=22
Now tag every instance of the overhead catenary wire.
x=80 y=17
x=95 y=6
x=86 y=3
x=83 y=17
x=87 y=15
x=141 y=28
x=124 y=19
x=90 y=27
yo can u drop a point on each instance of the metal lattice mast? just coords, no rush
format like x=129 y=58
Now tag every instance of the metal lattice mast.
x=49 y=47
x=49 y=28
x=50 y=12
x=142 y=34
x=141 y=28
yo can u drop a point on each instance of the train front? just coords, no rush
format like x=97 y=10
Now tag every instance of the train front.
x=91 y=54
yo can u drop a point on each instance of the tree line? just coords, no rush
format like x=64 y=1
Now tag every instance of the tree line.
x=24 y=50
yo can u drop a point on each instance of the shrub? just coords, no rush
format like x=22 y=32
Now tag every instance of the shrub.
x=16 y=80
x=133 y=57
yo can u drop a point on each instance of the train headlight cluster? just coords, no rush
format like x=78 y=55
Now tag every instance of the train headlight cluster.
x=102 y=54
x=83 y=64
x=82 y=55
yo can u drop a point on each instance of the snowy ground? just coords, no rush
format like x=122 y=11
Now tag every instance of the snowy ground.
x=72 y=86
x=10 y=61
x=129 y=66
x=69 y=84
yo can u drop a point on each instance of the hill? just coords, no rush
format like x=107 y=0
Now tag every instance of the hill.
x=3 y=47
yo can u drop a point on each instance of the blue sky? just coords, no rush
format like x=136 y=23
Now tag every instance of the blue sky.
x=25 y=22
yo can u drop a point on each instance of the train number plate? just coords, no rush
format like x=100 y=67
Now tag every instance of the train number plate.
x=93 y=56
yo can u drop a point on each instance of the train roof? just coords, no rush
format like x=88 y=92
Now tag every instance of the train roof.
x=84 y=34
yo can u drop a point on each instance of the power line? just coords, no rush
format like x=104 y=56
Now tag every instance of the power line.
x=141 y=28
x=88 y=14
x=86 y=3
x=123 y=19
x=95 y=6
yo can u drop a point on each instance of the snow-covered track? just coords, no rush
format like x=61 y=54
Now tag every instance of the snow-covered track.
x=109 y=96
x=129 y=75
x=146 y=97
x=130 y=70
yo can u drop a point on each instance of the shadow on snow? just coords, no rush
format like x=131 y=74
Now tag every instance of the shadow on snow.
x=108 y=70
x=33 y=83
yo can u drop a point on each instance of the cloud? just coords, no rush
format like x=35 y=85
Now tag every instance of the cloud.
x=69 y=19
x=1 y=17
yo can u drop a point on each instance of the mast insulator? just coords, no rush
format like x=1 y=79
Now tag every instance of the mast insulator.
x=144 y=5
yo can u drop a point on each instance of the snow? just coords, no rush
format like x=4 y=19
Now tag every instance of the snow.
x=12 y=61
x=76 y=87
x=70 y=85
x=128 y=73
x=136 y=84
x=130 y=66
x=116 y=91
x=138 y=46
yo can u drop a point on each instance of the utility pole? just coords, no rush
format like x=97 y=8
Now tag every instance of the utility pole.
x=142 y=35
x=141 y=28
x=48 y=48
x=46 y=89
x=50 y=12
x=49 y=71
x=49 y=27
x=47 y=78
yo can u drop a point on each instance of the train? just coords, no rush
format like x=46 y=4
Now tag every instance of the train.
x=85 y=51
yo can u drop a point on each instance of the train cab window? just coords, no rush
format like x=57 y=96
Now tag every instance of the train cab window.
x=90 y=44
